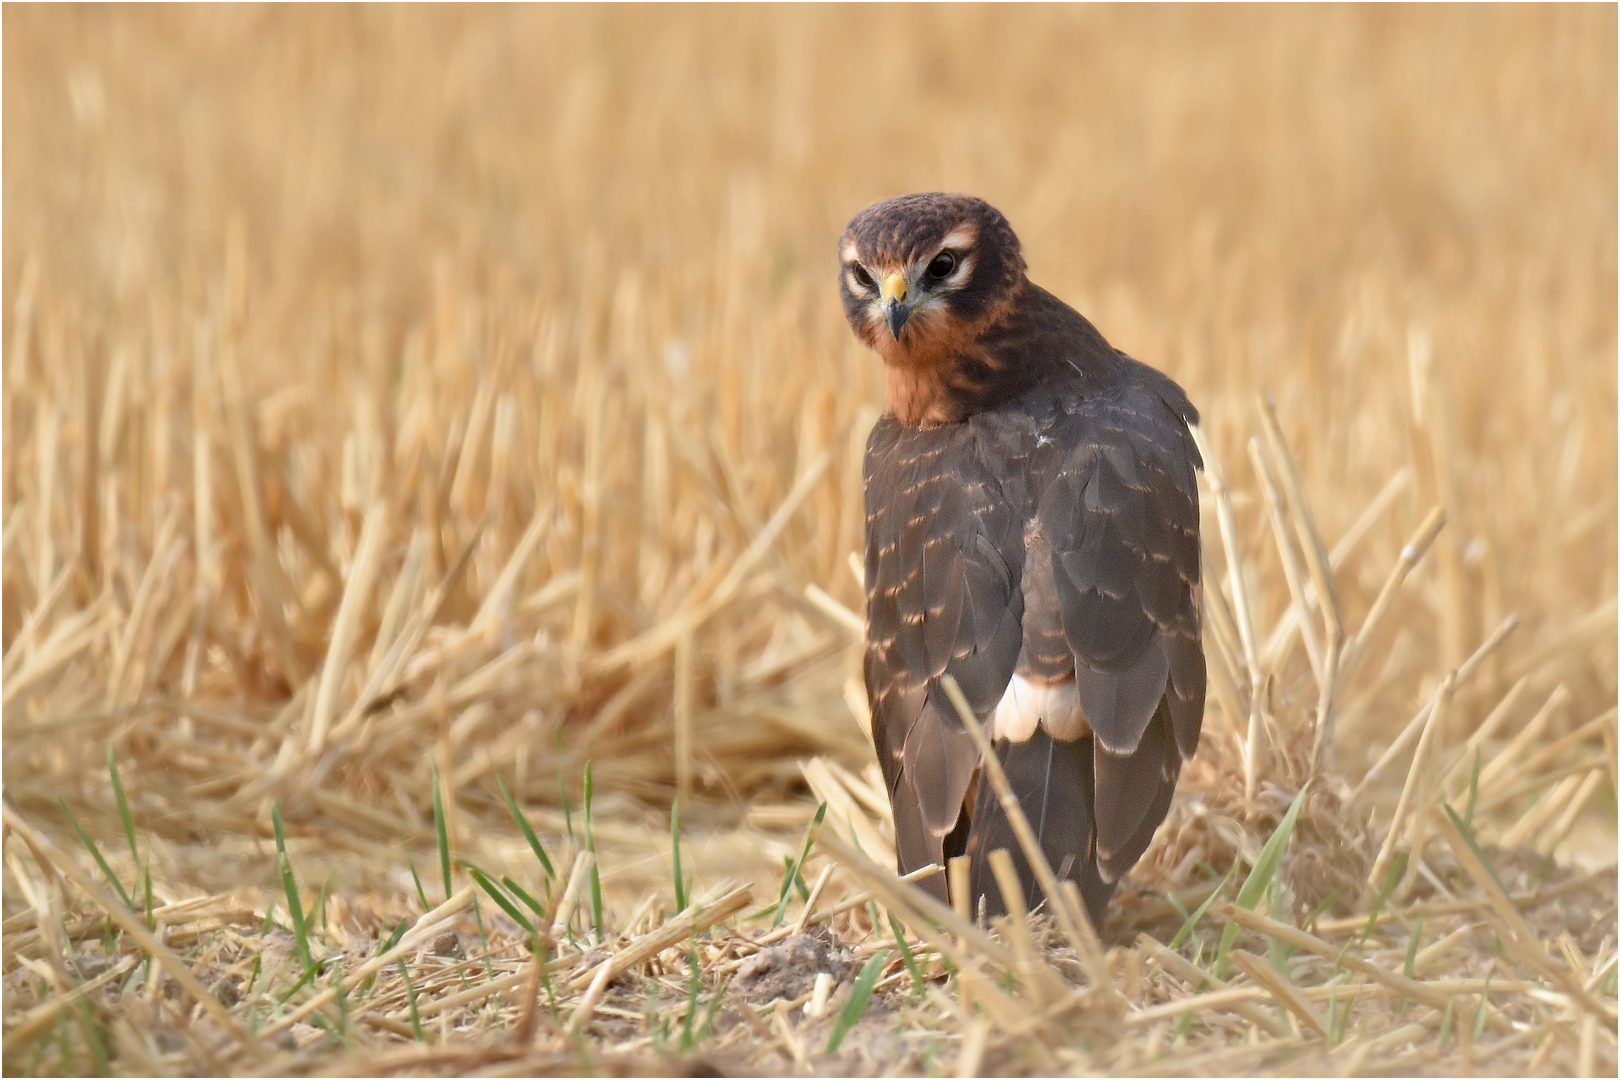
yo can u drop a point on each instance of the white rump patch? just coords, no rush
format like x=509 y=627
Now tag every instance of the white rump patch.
x=1026 y=704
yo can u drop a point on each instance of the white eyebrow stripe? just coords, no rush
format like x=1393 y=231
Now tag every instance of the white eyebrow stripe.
x=961 y=236
x=850 y=252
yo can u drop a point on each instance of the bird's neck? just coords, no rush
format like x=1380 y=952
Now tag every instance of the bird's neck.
x=938 y=371
x=958 y=370
x=926 y=395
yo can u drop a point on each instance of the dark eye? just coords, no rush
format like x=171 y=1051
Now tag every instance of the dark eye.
x=862 y=278
x=942 y=265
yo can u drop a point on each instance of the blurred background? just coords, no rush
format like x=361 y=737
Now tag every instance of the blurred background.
x=304 y=304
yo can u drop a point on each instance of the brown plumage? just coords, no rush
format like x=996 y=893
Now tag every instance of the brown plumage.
x=1031 y=530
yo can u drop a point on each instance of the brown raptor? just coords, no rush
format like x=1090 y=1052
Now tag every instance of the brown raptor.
x=1031 y=530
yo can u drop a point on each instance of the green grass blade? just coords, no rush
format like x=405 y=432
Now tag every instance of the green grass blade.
x=393 y=939
x=872 y=916
x=63 y=1040
x=483 y=938
x=500 y=898
x=289 y=885
x=95 y=853
x=1190 y=923
x=675 y=847
x=1319 y=910
x=146 y=883
x=410 y=1000
x=320 y=906
x=694 y=987
x=269 y=917
x=1338 y=1017
x=94 y=1041
x=342 y=1000
x=567 y=800
x=416 y=879
x=253 y=975
x=1473 y=788
x=1278 y=951
x=706 y=1026
x=596 y=864
x=1473 y=844
x=305 y=979
x=918 y=985
x=143 y=871
x=122 y=800
x=528 y=901
x=543 y=956
x=442 y=831
x=859 y=994
x=1412 y=946
x=792 y=873
x=657 y=1028
x=396 y=937
x=535 y=845
x=1261 y=875
x=1396 y=869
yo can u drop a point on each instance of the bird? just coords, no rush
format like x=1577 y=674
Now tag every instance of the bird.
x=1032 y=532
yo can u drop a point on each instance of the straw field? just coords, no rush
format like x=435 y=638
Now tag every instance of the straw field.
x=432 y=453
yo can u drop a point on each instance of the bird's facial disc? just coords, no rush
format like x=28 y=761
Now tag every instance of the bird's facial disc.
x=910 y=294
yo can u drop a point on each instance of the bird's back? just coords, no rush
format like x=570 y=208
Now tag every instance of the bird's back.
x=1040 y=545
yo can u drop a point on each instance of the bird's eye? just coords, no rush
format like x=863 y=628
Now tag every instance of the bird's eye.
x=862 y=278
x=943 y=264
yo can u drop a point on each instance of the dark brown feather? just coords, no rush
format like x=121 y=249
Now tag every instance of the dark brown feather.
x=1055 y=782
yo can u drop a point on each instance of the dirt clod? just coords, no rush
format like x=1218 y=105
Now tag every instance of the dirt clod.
x=788 y=969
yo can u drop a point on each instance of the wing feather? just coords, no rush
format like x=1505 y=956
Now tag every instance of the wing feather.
x=1118 y=705
x=943 y=597
x=1121 y=513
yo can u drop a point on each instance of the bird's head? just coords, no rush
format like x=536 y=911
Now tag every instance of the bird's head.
x=922 y=275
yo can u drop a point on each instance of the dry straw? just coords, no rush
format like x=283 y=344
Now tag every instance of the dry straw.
x=428 y=627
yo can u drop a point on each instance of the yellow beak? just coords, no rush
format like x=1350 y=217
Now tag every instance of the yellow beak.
x=893 y=296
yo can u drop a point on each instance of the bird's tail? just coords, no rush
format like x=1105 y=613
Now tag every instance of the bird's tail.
x=1056 y=787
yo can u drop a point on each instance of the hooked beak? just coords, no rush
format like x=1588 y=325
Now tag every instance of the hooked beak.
x=893 y=297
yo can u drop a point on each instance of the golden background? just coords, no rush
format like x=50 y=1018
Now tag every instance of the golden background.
x=303 y=304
